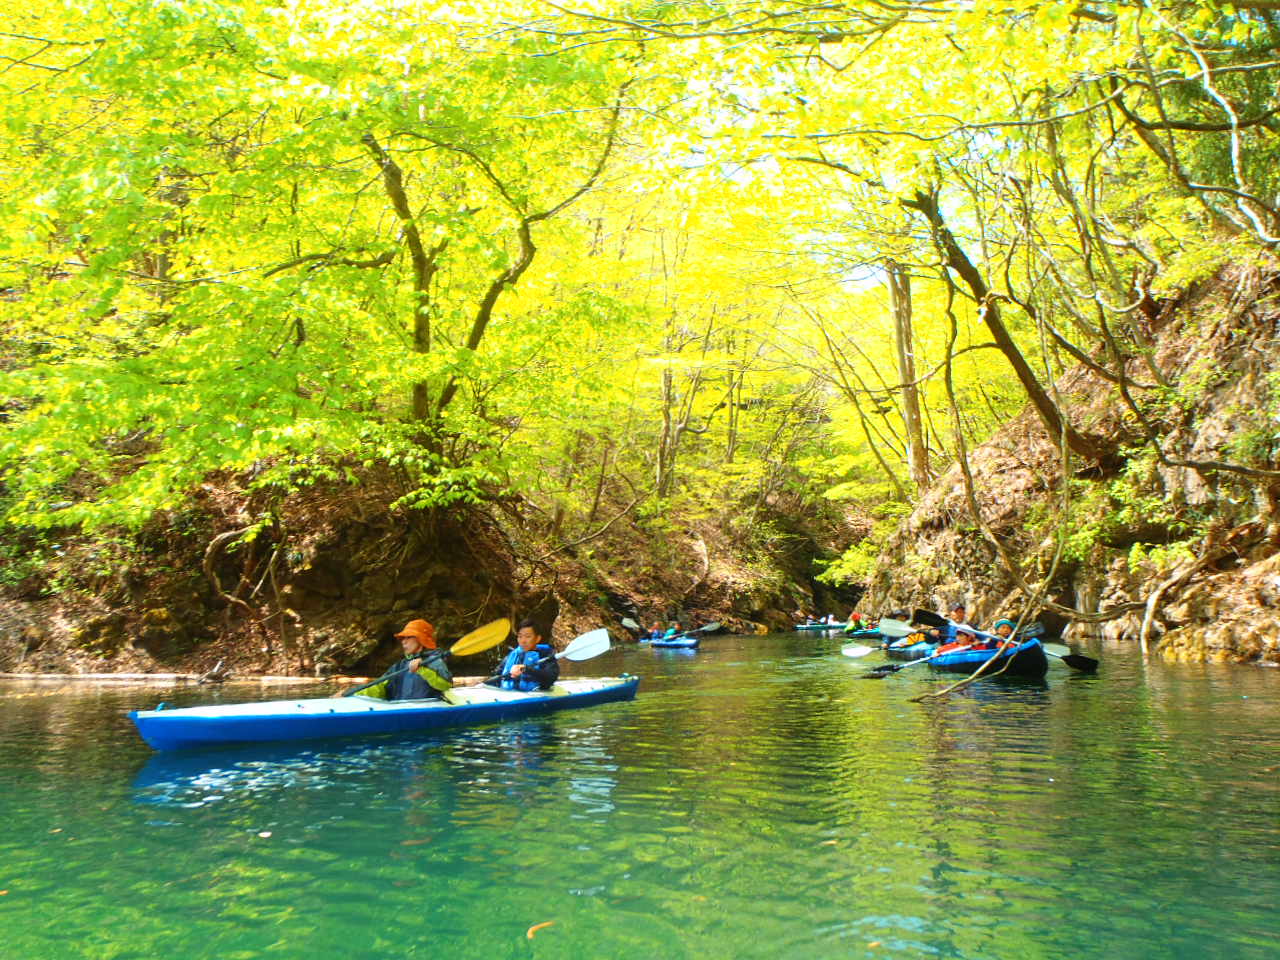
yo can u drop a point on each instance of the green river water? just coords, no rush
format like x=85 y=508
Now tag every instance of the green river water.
x=756 y=801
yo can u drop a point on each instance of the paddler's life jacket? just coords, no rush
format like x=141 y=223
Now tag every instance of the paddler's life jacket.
x=428 y=683
x=541 y=669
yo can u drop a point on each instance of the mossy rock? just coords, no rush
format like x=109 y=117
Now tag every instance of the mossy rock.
x=104 y=636
x=163 y=634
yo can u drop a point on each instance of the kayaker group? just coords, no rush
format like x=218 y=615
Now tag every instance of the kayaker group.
x=656 y=632
x=423 y=674
x=953 y=636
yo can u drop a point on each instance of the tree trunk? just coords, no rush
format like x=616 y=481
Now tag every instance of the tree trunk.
x=423 y=260
x=667 y=442
x=958 y=261
x=917 y=452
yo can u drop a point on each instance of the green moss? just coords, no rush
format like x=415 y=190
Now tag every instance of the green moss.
x=1160 y=558
x=1102 y=514
x=856 y=564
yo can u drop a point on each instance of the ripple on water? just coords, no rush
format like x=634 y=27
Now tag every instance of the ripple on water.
x=757 y=800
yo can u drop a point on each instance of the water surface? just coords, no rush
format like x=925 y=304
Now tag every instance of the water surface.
x=757 y=800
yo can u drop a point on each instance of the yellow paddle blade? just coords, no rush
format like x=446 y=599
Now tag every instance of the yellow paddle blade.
x=482 y=638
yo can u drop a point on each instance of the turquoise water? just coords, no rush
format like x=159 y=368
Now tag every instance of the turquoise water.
x=757 y=800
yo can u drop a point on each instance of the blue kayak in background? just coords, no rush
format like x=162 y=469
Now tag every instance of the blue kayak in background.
x=684 y=643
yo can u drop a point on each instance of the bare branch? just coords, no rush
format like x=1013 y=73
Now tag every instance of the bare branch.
x=331 y=259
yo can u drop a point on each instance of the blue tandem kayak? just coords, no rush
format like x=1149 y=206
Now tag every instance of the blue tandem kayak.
x=1025 y=660
x=686 y=643
x=193 y=727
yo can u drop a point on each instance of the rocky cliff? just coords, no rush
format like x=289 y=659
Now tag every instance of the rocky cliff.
x=1177 y=525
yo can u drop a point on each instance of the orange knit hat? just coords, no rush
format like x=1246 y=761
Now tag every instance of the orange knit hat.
x=425 y=633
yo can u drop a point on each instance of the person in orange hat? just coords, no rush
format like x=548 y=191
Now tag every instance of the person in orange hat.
x=421 y=674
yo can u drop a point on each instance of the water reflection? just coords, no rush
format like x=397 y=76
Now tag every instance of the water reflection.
x=757 y=800
x=197 y=778
x=506 y=761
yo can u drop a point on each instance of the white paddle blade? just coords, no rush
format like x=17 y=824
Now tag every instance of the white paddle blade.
x=855 y=650
x=1057 y=649
x=895 y=628
x=630 y=624
x=586 y=646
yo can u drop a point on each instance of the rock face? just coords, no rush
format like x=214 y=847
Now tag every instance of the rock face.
x=1197 y=528
x=322 y=591
x=323 y=587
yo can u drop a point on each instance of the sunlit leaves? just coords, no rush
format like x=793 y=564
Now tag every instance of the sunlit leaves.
x=203 y=271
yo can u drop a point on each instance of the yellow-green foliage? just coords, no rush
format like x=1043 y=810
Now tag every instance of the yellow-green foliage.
x=1131 y=505
x=857 y=563
x=206 y=265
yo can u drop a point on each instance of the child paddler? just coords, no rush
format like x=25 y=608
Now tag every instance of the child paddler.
x=421 y=674
x=950 y=637
x=532 y=665
x=1004 y=629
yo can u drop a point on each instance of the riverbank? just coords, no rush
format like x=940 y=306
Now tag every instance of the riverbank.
x=1170 y=539
x=323 y=592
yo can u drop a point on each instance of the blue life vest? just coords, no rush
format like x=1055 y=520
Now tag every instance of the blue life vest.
x=530 y=658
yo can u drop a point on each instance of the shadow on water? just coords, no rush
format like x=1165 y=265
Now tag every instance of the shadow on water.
x=194 y=777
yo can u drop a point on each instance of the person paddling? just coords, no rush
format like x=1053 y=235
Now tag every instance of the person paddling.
x=949 y=634
x=1004 y=629
x=532 y=665
x=421 y=674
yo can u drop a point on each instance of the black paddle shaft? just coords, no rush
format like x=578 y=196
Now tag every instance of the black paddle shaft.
x=388 y=676
x=541 y=661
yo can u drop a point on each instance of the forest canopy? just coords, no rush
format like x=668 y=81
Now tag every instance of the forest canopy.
x=725 y=252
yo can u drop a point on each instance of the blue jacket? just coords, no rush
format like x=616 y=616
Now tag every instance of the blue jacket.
x=541 y=669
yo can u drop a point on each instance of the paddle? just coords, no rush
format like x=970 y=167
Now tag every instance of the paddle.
x=705 y=628
x=1077 y=661
x=481 y=638
x=583 y=647
x=631 y=625
x=1073 y=660
x=934 y=620
x=882 y=671
x=895 y=628
x=887 y=628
